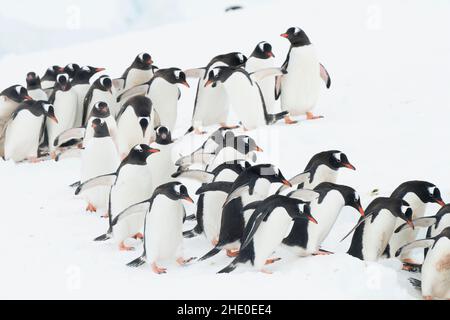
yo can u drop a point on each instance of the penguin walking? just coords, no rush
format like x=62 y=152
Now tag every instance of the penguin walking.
x=48 y=80
x=373 y=232
x=435 y=282
x=300 y=87
x=131 y=183
x=252 y=185
x=245 y=94
x=134 y=123
x=164 y=218
x=101 y=110
x=418 y=194
x=98 y=158
x=25 y=129
x=80 y=84
x=305 y=238
x=34 y=87
x=322 y=167
x=211 y=104
x=261 y=58
x=266 y=228
x=100 y=91
x=64 y=99
x=139 y=72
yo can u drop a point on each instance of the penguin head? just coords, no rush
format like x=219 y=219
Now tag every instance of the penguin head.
x=16 y=93
x=139 y=154
x=173 y=76
x=232 y=59
x=296 y=36
x=52 y=72
x=425 y=191
x=352 y=199
x=177 y=191
x=405 y=213
x=263 y=50
x=85 y=73
x=338 y=160
x=49 y=110
x=143 y=61
x=218 y=74
x=104 y=83
x=271 y=173
x=101 y=110
x=71 y=69
x=163 y=135
x=33 y=80
x=100 y=128
x=245 y=144
x=63 y=81
x=434 y=195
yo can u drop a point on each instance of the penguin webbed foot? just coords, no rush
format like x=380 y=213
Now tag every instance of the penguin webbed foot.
x=311 y=116
x=412 y=267
x=182 y=262
x=232 y=253
x=91 y=208
x=138 y=236
x=322 y=252
x=158 y=270
x=124 y=247
x=266 y=271
x=272 y=260
x=288 y=120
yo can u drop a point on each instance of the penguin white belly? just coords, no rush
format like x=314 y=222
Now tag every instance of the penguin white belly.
x=164 y=96
x=162 y=165
x=436 y=271
x=103 y=96
x=323 y=174
x=22 y=136
x=164 y=230
x=269 y=235
x=7 y=107
x=227 y=154
x=212 y=106
x=245 y=100
x=38 y=94
x=212 y=214
x=376 y=235
x=407 y=235
x=65 y=106
x=98 y=158
x=130 y=132
x=45 y=84
x=300 y=87
x=443 y=223
x=81 y=91
x=112 y=128
x=267 y=85
x=136 y=77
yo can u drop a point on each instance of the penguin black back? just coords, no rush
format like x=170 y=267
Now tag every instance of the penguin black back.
x=426 y=191
x=16 y=93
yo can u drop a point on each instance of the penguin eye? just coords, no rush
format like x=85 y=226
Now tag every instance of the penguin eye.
x=404 y=209
x=337 y=156
x=356 y=197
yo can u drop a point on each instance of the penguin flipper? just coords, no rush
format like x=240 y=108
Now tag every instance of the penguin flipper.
x=136 y=263
x=304 y=195
x=252 y=226
x=103 y=237
x=104 y=180
x=361 y=220
x=132 y=210
x=424 y=243
x=424 y=222
x=223 y=186
x=417 y=284
x=197 y=230
x=199 y=175
x=325 y=76
x=267 y=72
x=70 y=134
x=211 y=253
x=278 y=87
x=297 y=180
x=237 y=193
x=140 y=90
x=230 y=267
x=196 y=73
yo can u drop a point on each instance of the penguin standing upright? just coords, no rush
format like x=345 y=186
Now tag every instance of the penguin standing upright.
x=436 y=267
x=305 y=238
x=211 y=104
x=300 y=87
x=34 y=87
x=373 y=232
x=81 y=85
x=417 y=194
x=131 y=183
x=49 y=79
x=64 y=100
x=245 y=94
x=101 y=110
x=266 y=228
x=140 y=72
x=25 y=129
x=100 y=91
x=252 y=185
x=134 y=124
x=262 y=57
x=163 y=239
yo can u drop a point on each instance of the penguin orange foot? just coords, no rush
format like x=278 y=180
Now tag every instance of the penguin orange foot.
x=91 y=208
x=273 y=260
x=123 y=247
x=232 y=254
x=266 y=271
x=157 y=269
x=288 y=120
x=310 y=116
x=138 y=236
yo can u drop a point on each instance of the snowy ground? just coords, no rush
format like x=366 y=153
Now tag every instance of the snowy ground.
x=387 y=110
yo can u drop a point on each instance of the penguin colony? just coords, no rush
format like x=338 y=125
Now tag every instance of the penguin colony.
x=122 y=131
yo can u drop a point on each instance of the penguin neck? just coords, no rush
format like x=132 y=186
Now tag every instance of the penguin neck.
x=417 y=205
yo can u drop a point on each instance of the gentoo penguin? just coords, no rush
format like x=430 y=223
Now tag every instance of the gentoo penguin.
x=373 y=232
x=100 y=90
x=300 y=87
x=164 y=93
x=71 y=69
x=49 y=79
x=417 y=194
x=211 y=198
x=131 y=183
x=252 y=185
x=323 y=167
x=305 y=238
x=435 y=282
x=162 y=164
x=245 y=95
x=81 y=85
x=34 y=87
x=262 y=57
x=163 y=239
x=266 y=228
x=134 y=124
x=140 y=72
x=211 y=104
x=25 y=129
x=64 y=99
x=101 y=110
x=10 y=98
x=99 y=157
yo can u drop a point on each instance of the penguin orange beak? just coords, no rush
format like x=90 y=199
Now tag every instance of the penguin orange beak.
x=259 y=149
x=184 y=83
x=270 y=54
x=28 y=98
x=410 y=223
x=61 y=69
x=311 y=218
x=209 y=82
x=440 y=202
x=151 y=150
x=349 y=166
x=53 y=118
x=361 y=211
x=188 y=199
x=149 y=62
x=286 y=183
x=284 y=35
x=99 y=69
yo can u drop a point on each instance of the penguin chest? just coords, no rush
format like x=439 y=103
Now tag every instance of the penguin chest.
x=377 y=234
x=212 y=213
x=164 y=229
x=211 y=106
x=162 y=165
x=164 y=96
x=443 y=223
x=136 y=77
x=7 y=107
x=130 y=132
x=103 y=96
x=267 y=85
x=22 y=136
x=436 y=271
x=38 y=94
x=323 y=174
x=300 y=87
x=65 y=106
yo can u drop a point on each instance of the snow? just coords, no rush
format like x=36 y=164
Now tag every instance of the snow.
x=387 y=110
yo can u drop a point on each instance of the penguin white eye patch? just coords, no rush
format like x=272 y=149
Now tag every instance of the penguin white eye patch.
x=46 y=106
x=240 y=56
x=177 y=188
x=102 y=80
x=337 y=156
x=356 y=197
x=138 y=148
x=18 y=89
x=177 y=74
x=85 y=68
x=404 y=209
x=431 y=190
x=296 y=30
x=261 y=45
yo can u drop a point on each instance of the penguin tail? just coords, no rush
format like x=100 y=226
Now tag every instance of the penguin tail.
x=211 y=253
x=230 y=267
x=416 y=283
x=272 y=118
x=190 y=234
x=136 y=263
x=189 y=130
x=104 y=237
x=75 y=184
x=191 y=217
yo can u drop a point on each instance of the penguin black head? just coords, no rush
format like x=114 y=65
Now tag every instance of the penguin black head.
x=426 y=191
x=139 y=154
x=63 y=82
x=104 y=83
x=172 y=75
x=245 y=144
x=49 y=110
x=143 y=61
x=263 y=50
x=16 y=93
x=85 y=73
x=163 y=135
x=52 y=72
x=100 y=110
x=219 y=74
x=405 y=213
x=232 y=59
x=100 y=128
x=271 y=173
x=33 y=81
x=296 y=36
x=352 y=199
x=71 y=69
x=142 y=107
x=174 y=191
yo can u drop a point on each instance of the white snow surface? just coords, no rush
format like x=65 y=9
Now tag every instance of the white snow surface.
x=387 y=109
